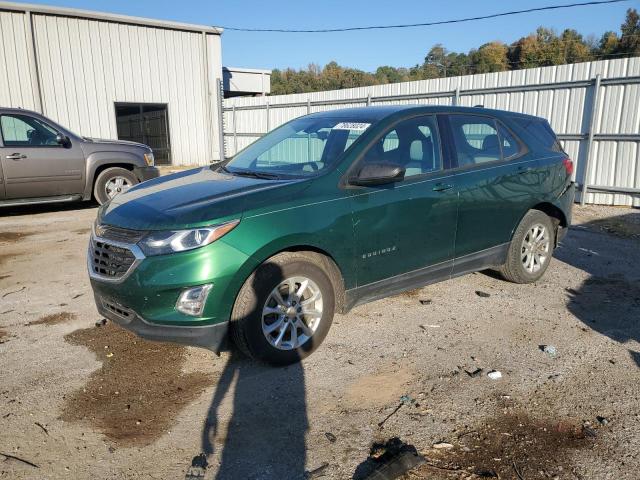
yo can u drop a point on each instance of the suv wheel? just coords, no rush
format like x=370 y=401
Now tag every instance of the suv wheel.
x=531 y=249
x=284 y=310
x=111 y=182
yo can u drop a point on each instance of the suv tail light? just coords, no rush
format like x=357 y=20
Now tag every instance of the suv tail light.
x=568 y=165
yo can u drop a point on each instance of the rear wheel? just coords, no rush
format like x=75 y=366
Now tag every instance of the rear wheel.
x=112 y=182
x=284 y=310
x=531 y=249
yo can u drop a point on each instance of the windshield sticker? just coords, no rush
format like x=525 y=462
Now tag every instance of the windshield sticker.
x=351 y=126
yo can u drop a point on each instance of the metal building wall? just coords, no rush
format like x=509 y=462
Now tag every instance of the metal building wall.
x=566 y=95
x=86 y=65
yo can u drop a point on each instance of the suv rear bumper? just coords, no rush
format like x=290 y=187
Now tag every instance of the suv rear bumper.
x=211 y=337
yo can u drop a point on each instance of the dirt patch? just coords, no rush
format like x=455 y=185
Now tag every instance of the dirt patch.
x=378 y=390
x=511 y=446
x=136 y=395
x=3 y=335
x=2 y=277
x=81 y=231
x=12 y=237
x=54 y=319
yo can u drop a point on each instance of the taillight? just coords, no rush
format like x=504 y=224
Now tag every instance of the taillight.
x=568 y=165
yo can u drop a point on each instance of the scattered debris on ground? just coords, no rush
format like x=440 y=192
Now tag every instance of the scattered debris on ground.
x=482 y=294
x=426 y=302
x=549 y=350
x=494 y=375
x=127 y=407
x=316 y=472
x=14 y=291
x=198 y=467
x=54 y=319
x=537 y=448
x=19 y=459
x=388 y=460
x=331 y=437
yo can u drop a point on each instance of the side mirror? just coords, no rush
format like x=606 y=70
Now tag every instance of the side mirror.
x=63 y=140
x=378 y=174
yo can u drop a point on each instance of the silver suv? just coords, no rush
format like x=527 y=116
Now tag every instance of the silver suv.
x=43 y=162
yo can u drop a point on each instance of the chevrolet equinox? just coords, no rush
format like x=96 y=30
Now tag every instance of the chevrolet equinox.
x=326 y=212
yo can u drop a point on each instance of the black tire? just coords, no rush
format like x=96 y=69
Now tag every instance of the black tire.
x=514 y=270
x=246 y=318
x=107 y=175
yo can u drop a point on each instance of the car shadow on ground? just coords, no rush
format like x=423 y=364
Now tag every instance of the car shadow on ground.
x=45 y=208
x=265 y=436
x=608 y=301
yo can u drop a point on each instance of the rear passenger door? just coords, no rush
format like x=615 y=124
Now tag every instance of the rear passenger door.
x=497 y=180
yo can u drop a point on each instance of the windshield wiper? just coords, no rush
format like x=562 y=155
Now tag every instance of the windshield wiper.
x=254 y=174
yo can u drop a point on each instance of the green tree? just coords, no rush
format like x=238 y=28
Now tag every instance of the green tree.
x=490 y=57
x=630 y=39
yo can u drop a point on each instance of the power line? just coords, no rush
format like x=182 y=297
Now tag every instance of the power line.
x=426 y=24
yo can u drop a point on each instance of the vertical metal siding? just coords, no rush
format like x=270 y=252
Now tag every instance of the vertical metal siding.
x=567 y=107
x=17 y=85
x=86 y=66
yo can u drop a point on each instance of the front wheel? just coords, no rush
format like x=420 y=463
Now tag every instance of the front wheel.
x=284 y=310
x=112 y=182
x=531 y=249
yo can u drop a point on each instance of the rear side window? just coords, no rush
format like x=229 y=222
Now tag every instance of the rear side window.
x=511 y=147
x=541 y=131
x=479 y=139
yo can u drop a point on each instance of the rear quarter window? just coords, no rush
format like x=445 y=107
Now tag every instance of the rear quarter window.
x=541 y=131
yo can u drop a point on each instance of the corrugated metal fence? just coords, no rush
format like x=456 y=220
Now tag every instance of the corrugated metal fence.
x=594 y=107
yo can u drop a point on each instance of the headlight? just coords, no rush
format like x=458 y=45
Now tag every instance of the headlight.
x=148 y=157
x=160 y=243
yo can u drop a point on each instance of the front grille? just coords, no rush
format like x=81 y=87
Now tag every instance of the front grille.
x=109 y=260
x=117 y=234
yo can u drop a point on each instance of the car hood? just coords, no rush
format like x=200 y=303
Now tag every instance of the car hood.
x=192 y=198
x=108 y=141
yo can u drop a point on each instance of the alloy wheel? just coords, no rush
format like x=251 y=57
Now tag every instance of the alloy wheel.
x=292 y=313
x=536 y=246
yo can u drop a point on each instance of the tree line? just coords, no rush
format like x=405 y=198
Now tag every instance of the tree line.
x=543 y=48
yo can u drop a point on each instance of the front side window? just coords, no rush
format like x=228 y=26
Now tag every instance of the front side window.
x=299 y=148
x=26 y=131
x=413 y=144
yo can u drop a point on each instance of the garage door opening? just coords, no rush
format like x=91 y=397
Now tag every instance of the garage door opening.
x=146 y=123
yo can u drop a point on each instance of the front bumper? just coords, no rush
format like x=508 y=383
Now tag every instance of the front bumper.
x=212 y=337
x=146 y=173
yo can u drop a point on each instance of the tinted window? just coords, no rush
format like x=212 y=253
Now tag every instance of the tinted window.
x=510 y=145
x=412 y=144
x=541 y=131
x=26 y=131
x=476 y=139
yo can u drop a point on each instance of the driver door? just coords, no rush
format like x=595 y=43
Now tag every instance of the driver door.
x=34 y=164
x=405 y=231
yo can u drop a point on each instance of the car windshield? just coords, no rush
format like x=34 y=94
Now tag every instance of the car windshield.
x=303 y=147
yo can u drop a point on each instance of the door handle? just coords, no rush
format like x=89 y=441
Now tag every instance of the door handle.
x=15 y=156
x=442 y=187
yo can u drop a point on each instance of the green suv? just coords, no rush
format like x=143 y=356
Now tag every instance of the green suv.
x=326 y=212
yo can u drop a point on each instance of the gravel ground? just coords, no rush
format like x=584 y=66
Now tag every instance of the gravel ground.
x=84 y=401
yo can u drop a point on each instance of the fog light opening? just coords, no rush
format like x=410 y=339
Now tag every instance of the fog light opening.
x=192 y=300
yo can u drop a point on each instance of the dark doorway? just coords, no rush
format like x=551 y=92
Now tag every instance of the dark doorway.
x=146 y=123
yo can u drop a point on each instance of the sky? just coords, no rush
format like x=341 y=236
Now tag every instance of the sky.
x=365 y=50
